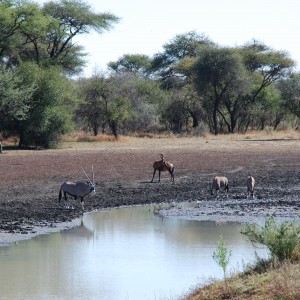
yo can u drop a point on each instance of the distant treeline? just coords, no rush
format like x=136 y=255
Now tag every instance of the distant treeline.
x=194 y=85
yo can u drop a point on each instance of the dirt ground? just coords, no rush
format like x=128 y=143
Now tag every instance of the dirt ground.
x=30 y=179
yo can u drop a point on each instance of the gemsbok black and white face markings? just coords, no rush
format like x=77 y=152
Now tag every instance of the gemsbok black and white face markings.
x=217 y=183
x=77 y=189
x=250 y=183
x=161 y=166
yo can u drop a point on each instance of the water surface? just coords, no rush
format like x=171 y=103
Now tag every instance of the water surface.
x=124 y=253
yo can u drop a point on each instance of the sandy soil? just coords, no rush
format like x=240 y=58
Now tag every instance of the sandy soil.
x=30 y=180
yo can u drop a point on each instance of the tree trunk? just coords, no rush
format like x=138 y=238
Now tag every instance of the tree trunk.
x=195 y=119
x=225 y=121
x=215 y=121
x=233 y=124
x=277 y=122
x=21 y=139
x=113 y=128
x=95 y=130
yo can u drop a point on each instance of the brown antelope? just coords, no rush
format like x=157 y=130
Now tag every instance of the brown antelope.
x=77 y=189
x=217 y=183
x=250 y=183
x=161 y=166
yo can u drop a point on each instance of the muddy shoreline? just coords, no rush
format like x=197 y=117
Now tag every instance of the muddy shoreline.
x=285 y=209
x=30 y=181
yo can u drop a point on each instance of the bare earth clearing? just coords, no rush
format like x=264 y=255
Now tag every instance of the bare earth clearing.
x=30 y=180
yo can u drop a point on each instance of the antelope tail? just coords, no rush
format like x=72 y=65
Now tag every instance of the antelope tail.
x=59 y=196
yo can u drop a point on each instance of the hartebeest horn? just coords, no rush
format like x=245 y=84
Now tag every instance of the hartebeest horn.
x=162 y=165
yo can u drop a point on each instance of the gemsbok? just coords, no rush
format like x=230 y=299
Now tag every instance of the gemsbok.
x=217 y=183
x=161 y=166
x=250 y=183
x=77 y=189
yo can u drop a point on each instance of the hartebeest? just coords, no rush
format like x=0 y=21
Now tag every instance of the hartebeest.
x=161 y=166
x=217 y=183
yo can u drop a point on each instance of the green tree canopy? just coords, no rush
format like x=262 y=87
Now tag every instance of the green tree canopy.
x=37 y=46
x=218 y=75
x=14 y=99
x=125 y=101
x=91 y=111
x=180 y=47
x=50 y=113
x=230 y=82
x=135 y=63
x=104 y=102
x=46 y=34
x=290 y=93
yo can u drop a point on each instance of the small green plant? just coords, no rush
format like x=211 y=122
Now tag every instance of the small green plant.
x=222 y=255
x=282 y=240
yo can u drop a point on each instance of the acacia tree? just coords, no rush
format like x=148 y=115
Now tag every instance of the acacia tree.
x=232 y=81
x=147 y=101
x=103 y=102
x=290 y=93
x=14 y=99
x=137 y=64
x=265 y=66
x=164 y=68
x=72 y=18
x=180 y=47
x=49 y=114
x=91 y=109
x=218 y=73
x=45 y=34
x=122 y=102
x=269 y=109
x=175 y=114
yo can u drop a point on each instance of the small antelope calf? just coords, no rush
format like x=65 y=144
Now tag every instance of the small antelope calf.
x=217 y=183
x=250 y=183
x=161 y=166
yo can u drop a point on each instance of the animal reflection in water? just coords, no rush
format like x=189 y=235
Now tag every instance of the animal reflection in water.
x=82 y=231
x=77 y=189
x=162 y=165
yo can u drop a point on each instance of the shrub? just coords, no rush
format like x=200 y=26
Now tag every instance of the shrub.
x=222 y=255
x=282 y=240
